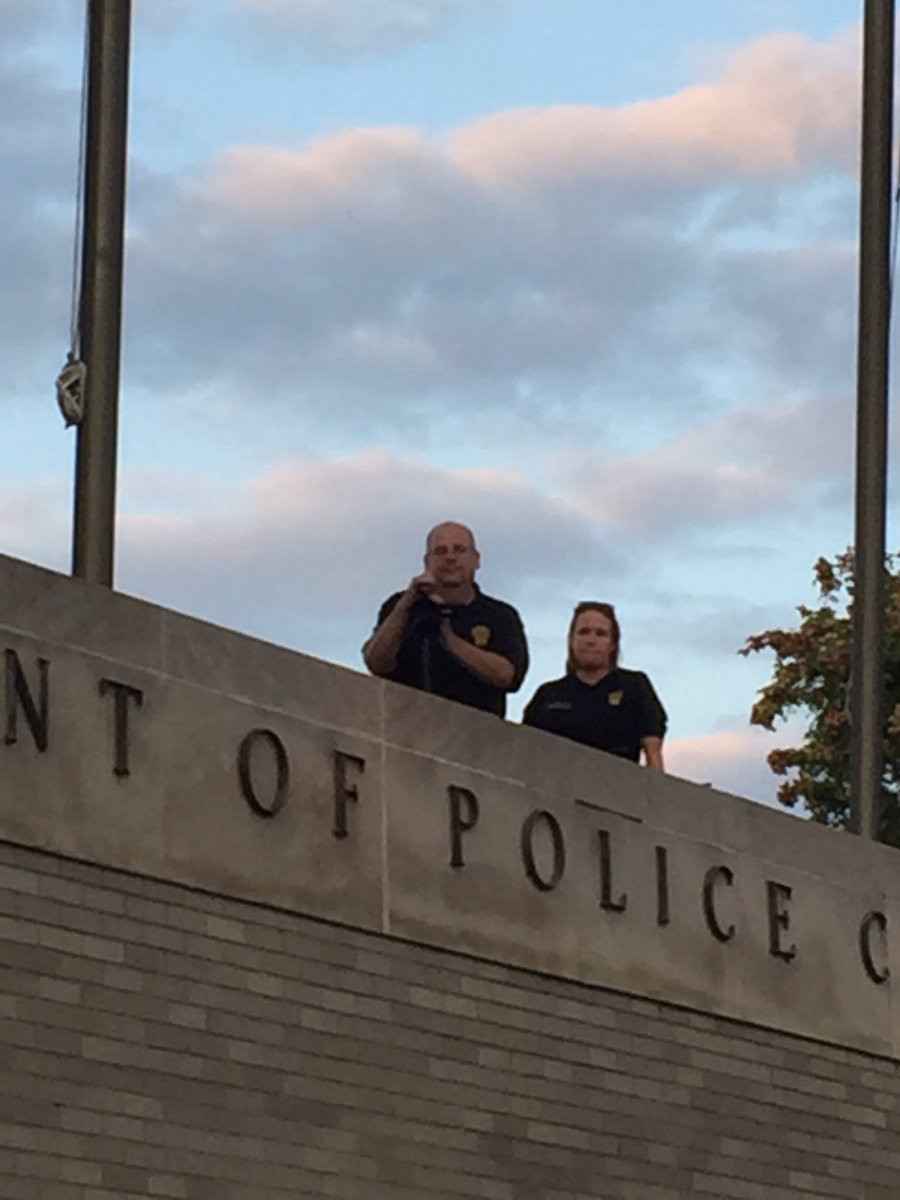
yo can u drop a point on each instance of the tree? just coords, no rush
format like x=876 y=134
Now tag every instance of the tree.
x=812 y=672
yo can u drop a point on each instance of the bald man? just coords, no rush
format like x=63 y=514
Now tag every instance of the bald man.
x=444 y=635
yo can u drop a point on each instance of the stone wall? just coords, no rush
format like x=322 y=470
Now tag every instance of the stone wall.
x=270 y=927
x=157 y=1041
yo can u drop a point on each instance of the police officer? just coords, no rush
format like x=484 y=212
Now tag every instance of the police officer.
x=444 y=635
x=597 y=702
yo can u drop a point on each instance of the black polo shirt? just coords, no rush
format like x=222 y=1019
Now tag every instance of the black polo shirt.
x=424 y=662
x=612 y=715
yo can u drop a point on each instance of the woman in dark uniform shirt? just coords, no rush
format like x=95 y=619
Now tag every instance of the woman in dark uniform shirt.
x=597 y=702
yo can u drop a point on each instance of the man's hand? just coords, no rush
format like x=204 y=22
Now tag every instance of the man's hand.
x=423 y=585
x=380 y=651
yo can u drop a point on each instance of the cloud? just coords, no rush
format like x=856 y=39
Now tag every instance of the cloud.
x=794 y=308
x=34 y=522
x=305 y=554
x=310 y=548
x=37 y=319
x=731 y=470
x=731 y=760
x=38 y=146
x=706 y=624
x=782 y=105
x=345 y=529
x=521 y=266
x=344 y=29
x=529 y=255
x=538 y=277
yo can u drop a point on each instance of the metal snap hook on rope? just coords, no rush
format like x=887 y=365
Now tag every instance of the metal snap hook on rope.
x=70 y=391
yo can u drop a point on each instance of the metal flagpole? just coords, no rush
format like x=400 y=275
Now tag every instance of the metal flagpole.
x=871 y=423
x=101 y=305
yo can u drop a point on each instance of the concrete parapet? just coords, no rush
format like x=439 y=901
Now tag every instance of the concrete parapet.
x=140 y=739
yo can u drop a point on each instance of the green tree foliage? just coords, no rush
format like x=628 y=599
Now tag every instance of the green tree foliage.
x=811 y=672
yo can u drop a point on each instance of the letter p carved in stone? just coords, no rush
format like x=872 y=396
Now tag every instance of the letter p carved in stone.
x=463 y=817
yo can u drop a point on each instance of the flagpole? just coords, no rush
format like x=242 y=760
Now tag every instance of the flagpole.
x=93 y=541
x=867 y=701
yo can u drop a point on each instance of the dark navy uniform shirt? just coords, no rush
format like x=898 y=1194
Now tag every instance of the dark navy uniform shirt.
x=424 y=662
x=612 y=715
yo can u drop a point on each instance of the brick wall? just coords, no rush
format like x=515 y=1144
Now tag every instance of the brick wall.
x=157 y=1042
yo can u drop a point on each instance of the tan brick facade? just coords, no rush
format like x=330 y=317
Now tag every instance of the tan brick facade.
x=159 y=1041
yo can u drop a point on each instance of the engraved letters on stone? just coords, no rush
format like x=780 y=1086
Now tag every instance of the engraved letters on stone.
x=709 y=909
x=606 y=897
x=778 y=895
x=662 y=885
x=274 y=802
x=18 y=693
x=463 y=817
x=535 y=820
x=264 y=775
x=345 y=792
x=878 y=920
x=123 y=693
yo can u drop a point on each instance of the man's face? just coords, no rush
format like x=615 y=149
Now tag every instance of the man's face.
x=451 y=556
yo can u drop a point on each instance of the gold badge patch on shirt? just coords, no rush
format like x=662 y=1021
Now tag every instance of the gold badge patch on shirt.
x=481 y=635
x=615 y=698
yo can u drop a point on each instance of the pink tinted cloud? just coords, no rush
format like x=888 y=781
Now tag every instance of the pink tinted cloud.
x=384 y=260
x=336 y=171
x=731 y=760
x=344 y=533
x=781 y=105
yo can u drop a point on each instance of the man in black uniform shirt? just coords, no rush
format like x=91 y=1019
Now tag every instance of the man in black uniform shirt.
x=444 y=635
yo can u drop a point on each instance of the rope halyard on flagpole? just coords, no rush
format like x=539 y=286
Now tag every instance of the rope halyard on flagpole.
x=71 y=381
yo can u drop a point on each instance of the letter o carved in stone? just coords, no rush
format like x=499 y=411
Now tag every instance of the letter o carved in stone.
x=559 y=849
x=264 y=808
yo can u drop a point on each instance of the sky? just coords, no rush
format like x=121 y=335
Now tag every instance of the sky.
x=579 y=274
